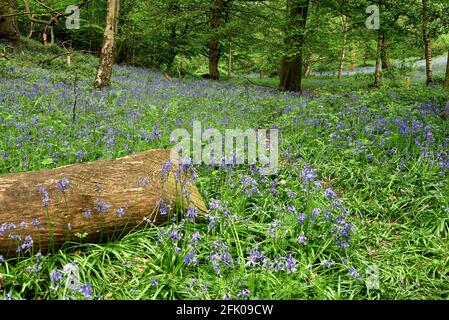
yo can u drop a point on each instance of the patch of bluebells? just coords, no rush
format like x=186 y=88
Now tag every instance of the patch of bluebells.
x=69 y=279
x=220 y=257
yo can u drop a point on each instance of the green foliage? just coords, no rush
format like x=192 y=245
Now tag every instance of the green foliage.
x=365 y=145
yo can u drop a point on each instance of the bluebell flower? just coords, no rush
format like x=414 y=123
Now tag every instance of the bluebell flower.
x=290 y=264
x=56 y=278
x=44 y=193
x=302 y=240
x=101 y=206
x=192 y=213
x=315 y=213
x=353 y=272
x=195 y=237
x=86 y=291
x=191 y=258
x=291 y=209
x=326 y=264
x=63 y=185
x=330 y=194
x=120 y=212
x=308 y=174
x=302 y=218
x=87 y=213
x=244 y=294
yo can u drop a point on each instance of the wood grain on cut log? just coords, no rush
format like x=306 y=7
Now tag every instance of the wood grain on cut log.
x=133 y=185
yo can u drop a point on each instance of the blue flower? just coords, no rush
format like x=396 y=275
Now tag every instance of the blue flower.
x=56 y=278
x=192 y=213
x=291 y=209
x=302 y=218
x=63 y=185
x=326 y=264
x=191 y=258
x=302 y=240
x=353 y=272
x=308 y=174
x=45 y=196
x=86 y=291
x=330 y=194
x=102 y=207
x=120 y=212
x=87 y=213
x=244 y=294
x=195 y=238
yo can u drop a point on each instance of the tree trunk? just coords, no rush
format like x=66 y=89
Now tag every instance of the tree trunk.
x=343 y=49
x=352 y=58
x=378 y=59
x=45 y=37
x=446 y=81
x=426 y=40
x=214 y=44
x=102 y=200
x=292 y=65
x=384 y=53
x=9 y=26
x=366 y=56
x=229 y=59
x=104 y=71
x=52 y=36
x=30 y=33
x=308 y=65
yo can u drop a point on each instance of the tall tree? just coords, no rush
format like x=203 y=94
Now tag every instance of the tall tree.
x=343 y=47
x=378 y=59
x=292 y=64
x=384 y=52
x=9 y=27
x=446 y=81
x=104 y=71
x=214 y=44
x=426 y=40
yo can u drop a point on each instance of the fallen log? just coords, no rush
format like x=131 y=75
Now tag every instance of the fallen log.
x=91 y=202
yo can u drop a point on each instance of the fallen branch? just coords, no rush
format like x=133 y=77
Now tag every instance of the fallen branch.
x=95 y=201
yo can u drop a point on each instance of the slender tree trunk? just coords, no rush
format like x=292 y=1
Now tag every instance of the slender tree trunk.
x=343 y=49
x=384 y=53
x=9 y=27
x=214 y=44
x=104 y=71
x=353 y=56
x=378 y=59
x=45 y=36
x=292 y=64
x=229 y=59
x=366 y=56
x=446 y=81
x=52 y=36
x=426 y=40
x=308 y=66
x=30 y=33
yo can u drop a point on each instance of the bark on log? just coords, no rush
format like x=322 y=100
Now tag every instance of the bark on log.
x=103 y=200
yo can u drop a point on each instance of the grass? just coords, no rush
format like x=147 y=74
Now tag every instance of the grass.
x=384 y=152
